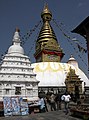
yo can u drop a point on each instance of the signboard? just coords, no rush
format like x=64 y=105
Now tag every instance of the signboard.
x=15 y=106
x=23 y=106
x=7 y=106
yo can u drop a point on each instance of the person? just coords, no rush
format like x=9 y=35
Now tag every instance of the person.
x=66 y=98
x=45 y=101
x=58 y=100
x=48 y=101
x=41 y=103
x=52 y=102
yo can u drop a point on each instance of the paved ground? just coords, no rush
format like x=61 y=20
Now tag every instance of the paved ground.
x=52 y=115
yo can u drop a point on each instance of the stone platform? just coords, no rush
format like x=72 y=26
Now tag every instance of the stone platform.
x=52 y=115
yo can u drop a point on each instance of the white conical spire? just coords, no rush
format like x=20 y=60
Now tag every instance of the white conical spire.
x=16 y=37
x=16 y=48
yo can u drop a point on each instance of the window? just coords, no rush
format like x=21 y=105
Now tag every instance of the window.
x=7 y=91
x=18 y=91
x=29 y=92
x=7 y=84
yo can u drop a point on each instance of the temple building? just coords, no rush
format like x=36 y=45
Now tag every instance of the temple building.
x=51 y=73
x=20 y=77
x=16 y=74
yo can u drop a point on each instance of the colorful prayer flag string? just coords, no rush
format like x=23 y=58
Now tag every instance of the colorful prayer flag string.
x=71 y=41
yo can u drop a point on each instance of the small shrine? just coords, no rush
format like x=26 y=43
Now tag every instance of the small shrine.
x=73 y=83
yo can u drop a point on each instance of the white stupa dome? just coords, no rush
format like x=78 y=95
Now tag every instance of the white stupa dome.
x=15 y=49
x=54 y=73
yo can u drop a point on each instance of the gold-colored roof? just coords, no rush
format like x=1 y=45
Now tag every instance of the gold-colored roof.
x=47 y=33
x=72 y=75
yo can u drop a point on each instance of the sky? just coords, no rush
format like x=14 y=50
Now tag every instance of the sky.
x=26 y=14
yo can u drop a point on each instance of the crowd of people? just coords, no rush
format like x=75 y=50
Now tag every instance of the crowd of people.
x=53 y=102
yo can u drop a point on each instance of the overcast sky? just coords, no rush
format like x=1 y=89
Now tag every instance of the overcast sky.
x=25 y=14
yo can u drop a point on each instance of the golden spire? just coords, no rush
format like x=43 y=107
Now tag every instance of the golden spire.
x=46 y=32
x=46 y=14
x=46 y=10
x=47 y=39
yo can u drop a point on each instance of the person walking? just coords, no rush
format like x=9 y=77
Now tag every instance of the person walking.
x=45 y=101
x=52 y=102
x=66 y=98
x=58 y=100
x=42 y=104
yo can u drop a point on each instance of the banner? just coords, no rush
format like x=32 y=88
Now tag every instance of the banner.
x=15 y=106
x=7 y=106
x=23 y=106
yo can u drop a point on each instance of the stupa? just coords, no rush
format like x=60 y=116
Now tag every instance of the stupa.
x=16 y=74
x=48 y=54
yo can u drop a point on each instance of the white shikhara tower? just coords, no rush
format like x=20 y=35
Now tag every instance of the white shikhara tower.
x=16 y=74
